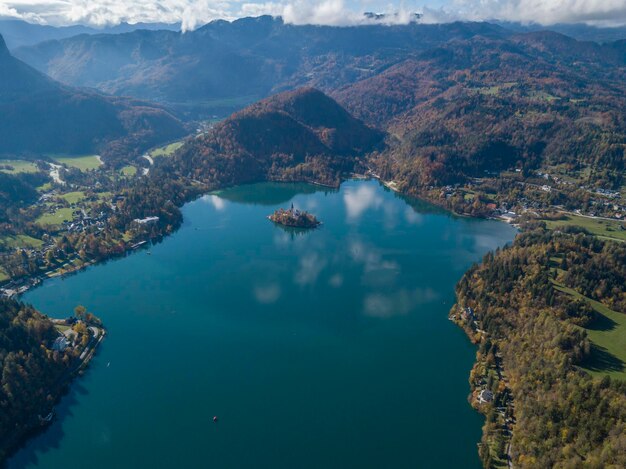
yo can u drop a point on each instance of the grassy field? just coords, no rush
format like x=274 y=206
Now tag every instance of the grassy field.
x=167 y=150
x=18 y=166
x=128 y=171
x=603 y=228
x=73 y=197
x=82 y=162
x=20 y=241
x=608 y=335
x=3 y=275
x=56 y=218
x=104 y=196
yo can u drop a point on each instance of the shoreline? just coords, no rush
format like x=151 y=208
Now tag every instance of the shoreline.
x=60 y=389
x=471 y=326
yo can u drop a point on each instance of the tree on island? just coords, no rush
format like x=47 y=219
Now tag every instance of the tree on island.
x=294 y=217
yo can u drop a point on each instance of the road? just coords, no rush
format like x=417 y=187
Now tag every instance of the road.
x=54 y=173
x=150 y=160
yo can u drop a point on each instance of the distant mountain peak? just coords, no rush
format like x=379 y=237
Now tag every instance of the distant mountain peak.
x=84 y=120
x=4 y=51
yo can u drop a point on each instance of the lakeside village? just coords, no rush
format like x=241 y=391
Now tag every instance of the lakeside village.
x=85 y=215
x=553 y=197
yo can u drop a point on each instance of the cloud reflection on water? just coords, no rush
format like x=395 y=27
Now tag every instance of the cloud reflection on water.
x=309 y=268
x=358 y=200
x=412 y=217
x=267 y=294
x=330 y=260
x=398 y=303
x=370 y=257
x=217 y=202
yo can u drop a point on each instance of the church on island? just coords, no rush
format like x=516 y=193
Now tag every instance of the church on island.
x=294 y=217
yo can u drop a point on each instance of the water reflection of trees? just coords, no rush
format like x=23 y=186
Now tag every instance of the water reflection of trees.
x=294 y=232
x=420 y=206
x=270 y=193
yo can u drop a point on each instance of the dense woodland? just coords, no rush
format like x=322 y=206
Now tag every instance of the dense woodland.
x=531 y=348
x=295 y=136
x=484 y=105
x=30 y=369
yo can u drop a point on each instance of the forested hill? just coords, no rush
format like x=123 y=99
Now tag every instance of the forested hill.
x=543 y=312
x=296 y=135
x=38 y=114
x=488 y=104
x=30 y=370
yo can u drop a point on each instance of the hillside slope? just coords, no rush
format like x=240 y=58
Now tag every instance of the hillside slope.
x=296 y=135
x=486 y=104
x=38 y=114
x=222 y=66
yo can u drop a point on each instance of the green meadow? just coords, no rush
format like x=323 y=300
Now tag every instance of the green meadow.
x=18 y=166
x=128 y=171
x=73 y=197
x=20 y=241
x=82 y=162
x=608 y=336
x=608 y=229
x=56 y=218
x=167 y=150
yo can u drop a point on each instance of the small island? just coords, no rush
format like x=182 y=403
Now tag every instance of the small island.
x=294 y=218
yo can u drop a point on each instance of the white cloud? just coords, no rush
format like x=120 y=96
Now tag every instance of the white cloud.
x=193 y=13
x=331 y=12
x=546 y=12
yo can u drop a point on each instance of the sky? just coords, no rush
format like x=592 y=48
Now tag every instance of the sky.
x=194 y=13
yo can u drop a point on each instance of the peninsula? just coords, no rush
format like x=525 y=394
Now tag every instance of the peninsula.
x=294 y=218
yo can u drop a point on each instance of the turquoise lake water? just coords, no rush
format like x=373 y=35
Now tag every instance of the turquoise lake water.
x=324 y=349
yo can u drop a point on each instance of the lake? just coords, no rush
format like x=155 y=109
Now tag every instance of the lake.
x=328 y=348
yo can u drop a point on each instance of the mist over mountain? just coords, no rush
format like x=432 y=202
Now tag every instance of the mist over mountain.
x=19 y=33
x=579 y=31
x=38 y=114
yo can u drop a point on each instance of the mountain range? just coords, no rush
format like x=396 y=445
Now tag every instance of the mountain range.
x=223 y=66
x=39 y=114
x=455 y=100
x=487 y=104
x=19 y=33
